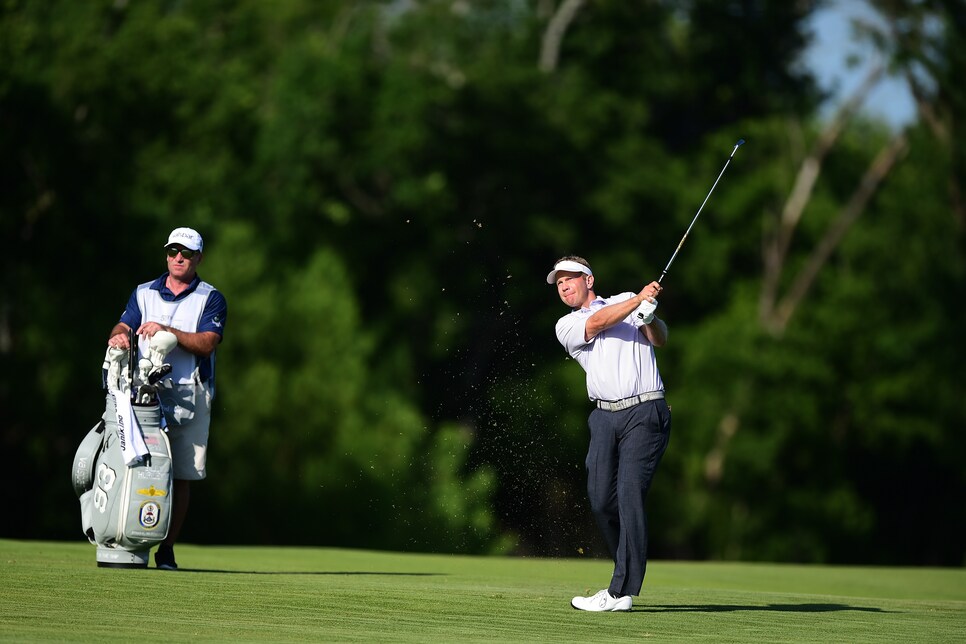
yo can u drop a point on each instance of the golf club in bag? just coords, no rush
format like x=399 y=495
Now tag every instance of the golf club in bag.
x=646 y=309
x=122 y=469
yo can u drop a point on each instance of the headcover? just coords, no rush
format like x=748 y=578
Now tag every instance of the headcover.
x=567 y=265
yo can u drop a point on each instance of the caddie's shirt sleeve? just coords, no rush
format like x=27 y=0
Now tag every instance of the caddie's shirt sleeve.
x=215 y=315
x=132 y=312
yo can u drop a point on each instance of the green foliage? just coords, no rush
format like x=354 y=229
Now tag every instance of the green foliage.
x=382 y=188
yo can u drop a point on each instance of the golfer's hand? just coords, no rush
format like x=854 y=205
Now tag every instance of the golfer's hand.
x=644 y=314
x=650 y=292
x=648 y=303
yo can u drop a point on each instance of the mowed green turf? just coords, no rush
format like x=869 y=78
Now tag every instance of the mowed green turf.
x=55 y=591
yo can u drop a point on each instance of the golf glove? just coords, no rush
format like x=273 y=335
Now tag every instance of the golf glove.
x=644 y=313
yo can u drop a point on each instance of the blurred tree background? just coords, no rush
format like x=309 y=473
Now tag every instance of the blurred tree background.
x=382 y=187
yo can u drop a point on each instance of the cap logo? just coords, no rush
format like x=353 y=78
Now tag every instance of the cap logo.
x=188 y=237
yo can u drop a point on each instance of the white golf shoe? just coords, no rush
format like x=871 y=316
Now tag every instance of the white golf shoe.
x=602 y=601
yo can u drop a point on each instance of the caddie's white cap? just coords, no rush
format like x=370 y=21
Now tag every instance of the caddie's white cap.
x=187 y=237
x=567 y=265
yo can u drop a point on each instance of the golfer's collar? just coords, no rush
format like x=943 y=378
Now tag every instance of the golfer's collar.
x=592 y=302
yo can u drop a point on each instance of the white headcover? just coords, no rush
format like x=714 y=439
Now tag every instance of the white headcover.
x=144 y=369
x=160 y=346
x=115 y=361
x=567 y=265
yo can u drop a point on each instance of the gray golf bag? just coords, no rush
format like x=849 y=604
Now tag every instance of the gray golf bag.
x=126 y=503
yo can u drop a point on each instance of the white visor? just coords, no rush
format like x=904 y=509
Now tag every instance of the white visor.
x=567 y=265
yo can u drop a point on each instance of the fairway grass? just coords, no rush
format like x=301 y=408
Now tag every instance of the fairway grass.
x=55 y=592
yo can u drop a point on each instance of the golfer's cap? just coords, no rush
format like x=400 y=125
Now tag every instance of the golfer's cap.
x=187 y=237
x=567 y=265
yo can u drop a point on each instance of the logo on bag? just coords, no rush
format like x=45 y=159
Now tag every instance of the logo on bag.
x=121 y=431
x=149 y=515
x=82 y=472
x=152 y=491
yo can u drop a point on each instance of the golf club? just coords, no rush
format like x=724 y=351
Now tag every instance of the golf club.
x=132 y=347
x=158 y=374
x=681 y=243
x=646 y=309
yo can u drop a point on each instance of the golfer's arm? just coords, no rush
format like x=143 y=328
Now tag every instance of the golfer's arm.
x=655 y=332
x=609 y=315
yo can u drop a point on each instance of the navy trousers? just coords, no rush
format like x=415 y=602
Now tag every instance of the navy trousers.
x=625 y=449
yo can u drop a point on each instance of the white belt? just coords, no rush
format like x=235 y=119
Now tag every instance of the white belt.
x=624 y=403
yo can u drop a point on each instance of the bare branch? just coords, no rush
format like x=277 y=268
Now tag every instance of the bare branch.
x=776 y=250
x=714 y=461
x=876 y=173
x=550 y=48
x=811 y=167
x=359 y=198
x=925 y=108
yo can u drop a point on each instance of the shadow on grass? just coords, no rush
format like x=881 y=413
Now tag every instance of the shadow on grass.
x=302 y=572
x=782 y=608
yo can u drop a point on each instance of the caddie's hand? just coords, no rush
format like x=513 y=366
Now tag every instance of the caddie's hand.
x=118 y=341
x=148 y=329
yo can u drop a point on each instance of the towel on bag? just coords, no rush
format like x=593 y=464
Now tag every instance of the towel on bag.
x=133 y=447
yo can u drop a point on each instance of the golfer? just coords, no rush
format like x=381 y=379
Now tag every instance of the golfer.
x=631 y=423
x=195 y=312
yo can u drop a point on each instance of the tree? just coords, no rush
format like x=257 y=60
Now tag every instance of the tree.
x=383 y=186
x=299 y=421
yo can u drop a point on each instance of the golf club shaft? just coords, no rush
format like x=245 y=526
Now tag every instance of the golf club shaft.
x=681 y=243
x=132 y=356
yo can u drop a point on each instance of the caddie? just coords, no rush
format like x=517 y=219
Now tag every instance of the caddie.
x=195 y=312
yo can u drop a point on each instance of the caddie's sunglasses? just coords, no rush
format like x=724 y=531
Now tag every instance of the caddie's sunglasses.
x=185 y=252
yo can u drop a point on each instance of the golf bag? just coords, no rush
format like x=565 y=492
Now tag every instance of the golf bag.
x=125 y=500
x=125 y=510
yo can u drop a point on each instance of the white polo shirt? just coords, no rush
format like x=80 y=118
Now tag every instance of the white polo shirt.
x=619 y=361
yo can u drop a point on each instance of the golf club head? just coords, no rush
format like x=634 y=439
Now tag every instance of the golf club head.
x=158 y=374
x=146 y=395
x=144 y=368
